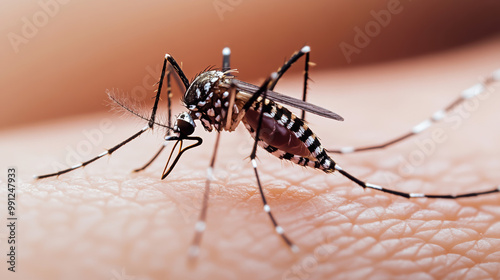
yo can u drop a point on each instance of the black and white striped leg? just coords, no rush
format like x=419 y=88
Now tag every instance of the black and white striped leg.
x=226 y=62
x=201 y=223
x=267 y=209
x=178 y=71
x=108 y=152
x=469 y=93
x=412 y=195
x=158 y=93
x=305 y=50
x=253 y=156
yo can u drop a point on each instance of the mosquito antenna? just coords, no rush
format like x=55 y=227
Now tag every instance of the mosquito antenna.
x=127 y=109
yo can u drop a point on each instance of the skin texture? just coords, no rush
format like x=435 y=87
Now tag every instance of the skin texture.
x=105 y=223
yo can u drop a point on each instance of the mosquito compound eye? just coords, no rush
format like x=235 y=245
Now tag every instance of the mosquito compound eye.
x=184 y=124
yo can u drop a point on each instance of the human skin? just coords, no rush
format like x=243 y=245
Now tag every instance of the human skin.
x=107 y=223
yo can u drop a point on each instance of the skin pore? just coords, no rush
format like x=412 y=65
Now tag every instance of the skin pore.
x=104 y=222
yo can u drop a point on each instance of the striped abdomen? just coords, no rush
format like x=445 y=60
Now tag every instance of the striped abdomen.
x=287 y=136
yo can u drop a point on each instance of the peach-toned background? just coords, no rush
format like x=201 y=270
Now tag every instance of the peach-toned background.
x=87 y=47
x=81 y=48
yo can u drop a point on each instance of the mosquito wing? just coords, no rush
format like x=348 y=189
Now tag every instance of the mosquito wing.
x=287 y=100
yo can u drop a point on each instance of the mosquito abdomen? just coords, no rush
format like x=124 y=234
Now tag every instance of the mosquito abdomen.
x=276 y=135
x=286 y=136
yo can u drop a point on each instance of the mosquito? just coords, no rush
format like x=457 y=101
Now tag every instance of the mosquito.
x=220 y=102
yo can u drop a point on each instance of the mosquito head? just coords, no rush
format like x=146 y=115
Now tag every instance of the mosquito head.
x=184 y=124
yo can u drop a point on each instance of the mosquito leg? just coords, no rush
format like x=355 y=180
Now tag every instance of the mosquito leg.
x=226 y=66
x=230 y=108
x=151 y=160
x=306 y=78
x=412 y=195
x=180 y=74
x=230 y=125
x=158 y=93
x=305 y=50
x=253 y=155
x=471 y=92
x=286 y=65
x=226 y=55
x=201 y=223
x=178 y=70
x=169 y=101
x=259 y=92
x=108 y=152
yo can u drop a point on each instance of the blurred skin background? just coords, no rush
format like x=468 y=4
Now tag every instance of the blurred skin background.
x=59 y=57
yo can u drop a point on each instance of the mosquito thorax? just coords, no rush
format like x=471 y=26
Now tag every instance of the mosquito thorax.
x=207 y=98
